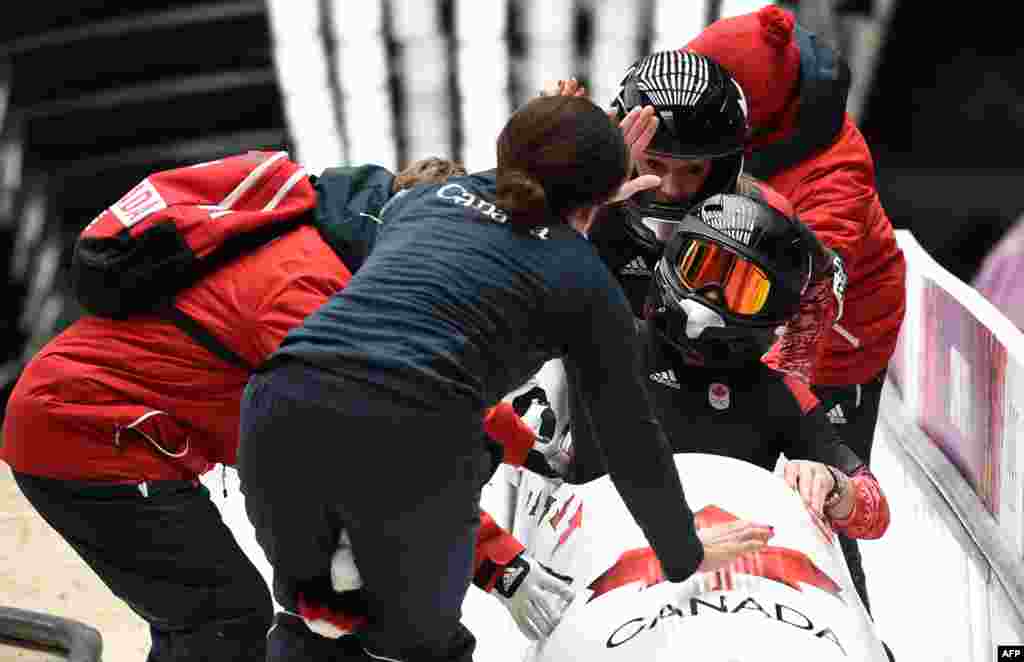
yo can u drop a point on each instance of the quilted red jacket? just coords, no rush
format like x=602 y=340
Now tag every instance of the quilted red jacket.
x=139 y=400
x=834 y=194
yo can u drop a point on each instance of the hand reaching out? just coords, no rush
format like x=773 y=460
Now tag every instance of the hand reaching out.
x=724 y=543
x=638 y=129
x=638 y=126
x=563 y=88
x=535 y=597
x=812 y=480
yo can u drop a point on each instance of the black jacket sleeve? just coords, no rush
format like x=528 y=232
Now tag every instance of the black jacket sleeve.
x=810 y=436
x=606 y=359
x=587 y=459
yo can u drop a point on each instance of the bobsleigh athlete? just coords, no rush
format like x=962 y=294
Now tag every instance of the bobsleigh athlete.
x=732 y=274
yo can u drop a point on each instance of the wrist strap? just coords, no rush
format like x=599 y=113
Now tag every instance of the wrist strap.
x=836 y=493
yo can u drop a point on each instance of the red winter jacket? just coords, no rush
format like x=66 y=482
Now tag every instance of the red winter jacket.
x=71 y=413
x=806 y=147
x=834 y=194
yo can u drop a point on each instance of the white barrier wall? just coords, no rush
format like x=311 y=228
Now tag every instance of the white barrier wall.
x=947 y=580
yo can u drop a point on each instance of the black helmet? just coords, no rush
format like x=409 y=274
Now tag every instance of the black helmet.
x=732 y=273
x=703 y=115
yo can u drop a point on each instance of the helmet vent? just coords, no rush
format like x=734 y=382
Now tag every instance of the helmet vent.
x=736 y=222
x=713 y=214
x=656 y=74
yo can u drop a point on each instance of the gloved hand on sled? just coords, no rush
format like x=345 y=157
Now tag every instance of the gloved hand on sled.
x=535 y=596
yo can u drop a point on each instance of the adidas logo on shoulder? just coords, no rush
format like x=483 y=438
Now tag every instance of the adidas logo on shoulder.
x=635 y=267
x=836 y=416
x=665 y=378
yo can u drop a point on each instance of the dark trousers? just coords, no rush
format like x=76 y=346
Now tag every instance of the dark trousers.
x=854 y=412
x=170 y=556
x=319 y=454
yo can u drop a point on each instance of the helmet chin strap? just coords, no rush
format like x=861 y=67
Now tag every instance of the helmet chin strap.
x=699 y=317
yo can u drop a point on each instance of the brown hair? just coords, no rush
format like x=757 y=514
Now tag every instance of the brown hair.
x=557 y=154
x=431 y=170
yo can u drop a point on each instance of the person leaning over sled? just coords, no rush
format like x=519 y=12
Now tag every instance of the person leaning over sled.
x=111 y=423
x=470 y=286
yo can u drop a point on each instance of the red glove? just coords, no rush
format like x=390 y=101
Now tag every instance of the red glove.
x=869 y=518
x=503 y=424
x=495 y=549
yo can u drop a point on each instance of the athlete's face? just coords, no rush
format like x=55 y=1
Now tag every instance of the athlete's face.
x=680 y=178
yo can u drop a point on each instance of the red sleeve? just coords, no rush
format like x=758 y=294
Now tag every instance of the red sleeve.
x=798 y=351
x=869 y=518
x=495 y=547
x=503 y=424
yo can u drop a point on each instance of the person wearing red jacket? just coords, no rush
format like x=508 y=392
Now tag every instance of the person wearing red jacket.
x=112 y=422
x=805 y=145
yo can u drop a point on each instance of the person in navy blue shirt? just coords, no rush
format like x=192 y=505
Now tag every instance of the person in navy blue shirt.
x=470 y=286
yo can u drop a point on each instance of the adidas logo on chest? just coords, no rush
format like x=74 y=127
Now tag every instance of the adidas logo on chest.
x=836 y=415
x=665 y=378
x=635 y=267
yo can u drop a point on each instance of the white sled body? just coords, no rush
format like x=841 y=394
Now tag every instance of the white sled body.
x=794 y=600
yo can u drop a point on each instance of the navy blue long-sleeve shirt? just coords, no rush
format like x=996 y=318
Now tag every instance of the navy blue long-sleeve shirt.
x=454 y=308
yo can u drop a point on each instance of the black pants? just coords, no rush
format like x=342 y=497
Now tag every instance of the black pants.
x=168 y=555
x=319 y=454
x=854 y=412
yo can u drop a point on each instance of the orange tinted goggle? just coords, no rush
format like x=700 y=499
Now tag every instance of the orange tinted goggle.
x=723 y=277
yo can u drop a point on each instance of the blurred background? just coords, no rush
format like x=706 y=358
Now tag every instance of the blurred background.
x=95 y=95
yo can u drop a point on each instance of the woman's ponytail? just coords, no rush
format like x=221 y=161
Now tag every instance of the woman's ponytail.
x=522 y=197
x=556 y=155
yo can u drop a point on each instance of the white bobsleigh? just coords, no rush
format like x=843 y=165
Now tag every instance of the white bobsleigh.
x=793 y=600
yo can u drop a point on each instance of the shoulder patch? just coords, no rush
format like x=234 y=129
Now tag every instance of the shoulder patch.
x=719 y=395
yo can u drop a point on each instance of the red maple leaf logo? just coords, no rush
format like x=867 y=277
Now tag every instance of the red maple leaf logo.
x=780 y=564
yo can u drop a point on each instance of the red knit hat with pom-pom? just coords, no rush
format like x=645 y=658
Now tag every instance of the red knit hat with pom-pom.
x=761 y=53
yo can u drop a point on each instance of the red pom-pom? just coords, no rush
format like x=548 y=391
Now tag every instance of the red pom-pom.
x=778 y=25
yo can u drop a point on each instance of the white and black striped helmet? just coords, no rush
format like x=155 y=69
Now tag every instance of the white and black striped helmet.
x=702 y=112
